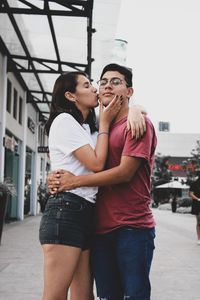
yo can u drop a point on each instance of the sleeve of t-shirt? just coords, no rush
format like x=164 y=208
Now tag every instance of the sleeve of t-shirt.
x=67 y=134
x=142 y=148
x=192 y=187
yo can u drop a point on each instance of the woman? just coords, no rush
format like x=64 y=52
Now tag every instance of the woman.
x=66 y=225
x=195 y=195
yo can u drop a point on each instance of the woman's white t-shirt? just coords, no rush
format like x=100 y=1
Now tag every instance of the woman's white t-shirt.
x=65 y=136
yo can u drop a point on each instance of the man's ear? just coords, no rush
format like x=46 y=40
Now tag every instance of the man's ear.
x=70 y=96
x=130 y=92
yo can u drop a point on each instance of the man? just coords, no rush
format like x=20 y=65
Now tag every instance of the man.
x=123 y=246
x=194 y=193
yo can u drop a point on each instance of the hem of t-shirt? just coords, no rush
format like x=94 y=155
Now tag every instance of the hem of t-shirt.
x=124 y=225
x=91 y=200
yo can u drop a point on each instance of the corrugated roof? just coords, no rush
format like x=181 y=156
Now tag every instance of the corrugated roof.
x=46 y=38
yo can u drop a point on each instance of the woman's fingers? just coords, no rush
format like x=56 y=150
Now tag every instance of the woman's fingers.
x=136 y=122
x=115 y=104
x=100 y=107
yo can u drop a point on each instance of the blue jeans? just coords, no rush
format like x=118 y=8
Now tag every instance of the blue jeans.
x=121 y=262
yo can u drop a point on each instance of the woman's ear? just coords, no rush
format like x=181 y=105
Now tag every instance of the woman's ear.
x=70 y=96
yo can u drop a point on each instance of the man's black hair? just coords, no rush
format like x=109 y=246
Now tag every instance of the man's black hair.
x=127 y=72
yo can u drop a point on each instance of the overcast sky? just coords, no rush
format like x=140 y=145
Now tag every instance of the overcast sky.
x=164 y=51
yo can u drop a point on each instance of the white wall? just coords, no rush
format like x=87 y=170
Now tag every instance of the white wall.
x=11 y=123
x=32 y=137
x=176 y=144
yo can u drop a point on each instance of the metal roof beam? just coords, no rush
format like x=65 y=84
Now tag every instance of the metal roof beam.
x=89 y=39
x=68 y=9
x=53 y=35
x=18 y=32
x=40 y=92
x=44 y=62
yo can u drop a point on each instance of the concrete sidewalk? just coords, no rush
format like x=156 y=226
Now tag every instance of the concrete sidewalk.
x=21 y=261
x=175 y=270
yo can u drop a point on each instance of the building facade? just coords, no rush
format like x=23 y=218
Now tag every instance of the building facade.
x=20 y=134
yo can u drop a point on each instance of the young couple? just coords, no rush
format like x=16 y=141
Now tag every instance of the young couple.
x=123 y=243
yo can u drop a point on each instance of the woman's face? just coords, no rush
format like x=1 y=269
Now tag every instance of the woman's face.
x=86 y=94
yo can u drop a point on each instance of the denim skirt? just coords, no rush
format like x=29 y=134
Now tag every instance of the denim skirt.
x=68 y=219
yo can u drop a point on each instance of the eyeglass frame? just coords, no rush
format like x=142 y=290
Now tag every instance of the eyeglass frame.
x=110 y=81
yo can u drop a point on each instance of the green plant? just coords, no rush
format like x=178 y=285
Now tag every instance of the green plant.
x=192 y=164
x=7 y=188
x=161 y=172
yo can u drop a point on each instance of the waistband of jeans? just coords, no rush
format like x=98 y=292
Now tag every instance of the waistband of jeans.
x=68 y=196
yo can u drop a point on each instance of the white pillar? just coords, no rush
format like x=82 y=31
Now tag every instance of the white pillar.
x=22 y=165
x=34 y=172
x=33 y=204
x=3 y=95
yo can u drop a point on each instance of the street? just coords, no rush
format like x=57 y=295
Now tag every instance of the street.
x=176 y=266
x=175 y=270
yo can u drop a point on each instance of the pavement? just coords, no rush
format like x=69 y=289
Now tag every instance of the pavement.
x=175 y=273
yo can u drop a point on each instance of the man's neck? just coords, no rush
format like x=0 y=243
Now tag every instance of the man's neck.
x=122 y=113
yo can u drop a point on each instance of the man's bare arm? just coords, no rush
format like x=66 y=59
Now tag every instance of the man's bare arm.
x=122 y=173
x=193 y=196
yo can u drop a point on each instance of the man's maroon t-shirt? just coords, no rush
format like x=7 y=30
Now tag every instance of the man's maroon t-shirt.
x=127 y=204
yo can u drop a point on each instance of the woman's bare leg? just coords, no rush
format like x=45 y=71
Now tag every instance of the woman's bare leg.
x=60 y=263
x=198 y=229
x=82 y=283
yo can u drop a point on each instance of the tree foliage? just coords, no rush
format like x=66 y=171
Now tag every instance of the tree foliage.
x=161 y=172
x=192 y=165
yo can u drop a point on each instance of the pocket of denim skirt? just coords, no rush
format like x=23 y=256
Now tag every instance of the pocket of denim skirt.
x=59 y=211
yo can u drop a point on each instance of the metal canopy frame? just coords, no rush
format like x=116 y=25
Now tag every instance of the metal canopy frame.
x=68 y=8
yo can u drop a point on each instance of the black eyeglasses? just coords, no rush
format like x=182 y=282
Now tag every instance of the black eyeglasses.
x=115 y=81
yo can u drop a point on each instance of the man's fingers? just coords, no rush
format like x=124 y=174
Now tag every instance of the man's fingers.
x=60 y=171
x=53 y=190
x=53 y=183
x=60 y=189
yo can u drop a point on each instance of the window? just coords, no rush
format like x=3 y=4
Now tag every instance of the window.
x=15 y=104
x=20 y=110
x=9 y=91
x=164 y=126
x=41 y=135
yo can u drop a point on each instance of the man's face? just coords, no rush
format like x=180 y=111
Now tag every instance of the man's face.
x=113 y=83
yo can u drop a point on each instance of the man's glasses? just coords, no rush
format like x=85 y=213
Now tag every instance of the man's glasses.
x=115 y=81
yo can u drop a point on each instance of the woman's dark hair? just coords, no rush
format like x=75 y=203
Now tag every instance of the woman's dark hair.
x=67 y=82
x=127 y=72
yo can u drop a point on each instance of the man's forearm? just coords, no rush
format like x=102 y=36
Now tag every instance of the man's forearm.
x=107 y=177
x=122 y=173
x=193 y=196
